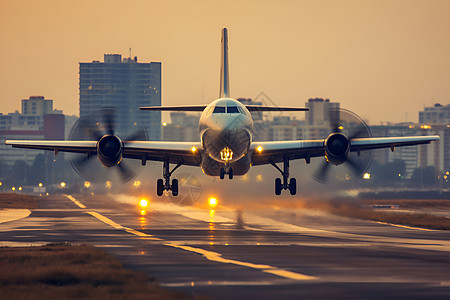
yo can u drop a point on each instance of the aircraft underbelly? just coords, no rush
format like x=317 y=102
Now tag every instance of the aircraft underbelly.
x=212 y=167
x=226 y=146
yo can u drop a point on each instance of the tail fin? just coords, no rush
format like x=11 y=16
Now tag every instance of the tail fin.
x=224 y=70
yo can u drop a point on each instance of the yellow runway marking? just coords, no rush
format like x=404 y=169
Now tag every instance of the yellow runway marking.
x=404 y=226
x=80 y=205
x=217 y=257
x=210 y=255
x=120 y=227
x=8 y=215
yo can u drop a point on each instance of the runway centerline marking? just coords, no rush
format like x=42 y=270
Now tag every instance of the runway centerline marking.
x=120 y=227
x=404 y=226
x=217 y=257
x=210 y=255
x=79 y=204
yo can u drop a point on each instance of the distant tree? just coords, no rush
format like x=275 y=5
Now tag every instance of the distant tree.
x=423 y=177
x=3 y=169
x=388 y=174
x=18 y=173
x=37 y=171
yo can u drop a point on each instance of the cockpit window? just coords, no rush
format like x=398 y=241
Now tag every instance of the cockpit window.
x=232 y=110
x=241 y=110
x=219 y=110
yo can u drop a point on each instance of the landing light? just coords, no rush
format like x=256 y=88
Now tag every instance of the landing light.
x=193 y=149
x=40 y=184
x=63 y=184
x=259 y=149
x=212 y=201
x=226 y=154
x=87 y=184
x=366 y=176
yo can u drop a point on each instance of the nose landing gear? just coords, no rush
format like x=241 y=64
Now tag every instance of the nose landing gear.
x=164 y=185
x=223 y=172
x=284 y=185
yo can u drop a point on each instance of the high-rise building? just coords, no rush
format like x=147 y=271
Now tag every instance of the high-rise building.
x=38 y=121
x=318 y=111
x=124 y=85
x=37 y=105
x=437 y=114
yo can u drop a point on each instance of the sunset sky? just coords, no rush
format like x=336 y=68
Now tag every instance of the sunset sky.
x=383 y=60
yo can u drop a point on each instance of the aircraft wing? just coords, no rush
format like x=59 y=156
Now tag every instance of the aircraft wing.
x=200 y=108
x=267 y=152
x=186 y=152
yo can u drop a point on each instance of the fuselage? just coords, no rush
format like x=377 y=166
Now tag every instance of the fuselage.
x=226 y=131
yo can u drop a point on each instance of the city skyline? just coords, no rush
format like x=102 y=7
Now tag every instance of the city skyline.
x=385 y=61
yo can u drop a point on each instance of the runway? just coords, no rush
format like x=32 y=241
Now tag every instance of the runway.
x=248 y=254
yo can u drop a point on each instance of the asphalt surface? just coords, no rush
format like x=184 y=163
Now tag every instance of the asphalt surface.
x=249 y=254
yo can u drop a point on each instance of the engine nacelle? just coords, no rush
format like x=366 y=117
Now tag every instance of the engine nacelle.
x=337 y=147
x=110 y=150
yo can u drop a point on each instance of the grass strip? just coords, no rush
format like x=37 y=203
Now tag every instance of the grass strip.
x=63 y=271
x=18 y=201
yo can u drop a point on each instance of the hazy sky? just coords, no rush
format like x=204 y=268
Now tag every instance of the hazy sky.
x=384 y=60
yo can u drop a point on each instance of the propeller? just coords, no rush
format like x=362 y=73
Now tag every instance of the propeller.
x=91 y=166
x=346 y=125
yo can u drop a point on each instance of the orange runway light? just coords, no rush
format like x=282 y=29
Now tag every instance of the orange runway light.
x=212 y=201
x=143 y=203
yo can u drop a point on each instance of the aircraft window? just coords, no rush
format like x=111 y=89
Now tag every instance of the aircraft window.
x=241 y=110
x=219 y=110
x=232 y=110
x=209 y=111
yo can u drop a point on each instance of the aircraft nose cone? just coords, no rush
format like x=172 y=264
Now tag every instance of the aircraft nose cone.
x=227 y=141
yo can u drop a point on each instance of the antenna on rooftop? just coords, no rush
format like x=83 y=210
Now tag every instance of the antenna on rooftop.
x=130 y=53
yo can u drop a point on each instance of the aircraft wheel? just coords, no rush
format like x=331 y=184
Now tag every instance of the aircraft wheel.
x=230 y=174
x=222 y=173
x=159 y=187
x=175 y=187
x=293 y=186
x=278 y=186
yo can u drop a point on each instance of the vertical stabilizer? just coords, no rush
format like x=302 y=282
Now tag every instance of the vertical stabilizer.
x=224 y=70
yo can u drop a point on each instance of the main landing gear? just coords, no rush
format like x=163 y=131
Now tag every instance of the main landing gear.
x=283 y=185
x=164 y=185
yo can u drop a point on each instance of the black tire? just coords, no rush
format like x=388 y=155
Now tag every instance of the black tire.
x=222 y=173
x=230 y=174
x=293 y=186
x=159 y=187
x=175 y=187
x=278 y=186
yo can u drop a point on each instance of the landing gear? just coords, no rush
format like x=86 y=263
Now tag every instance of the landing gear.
x=164 y=185
x=278 y=186
x=283 y=185
x=223 y=172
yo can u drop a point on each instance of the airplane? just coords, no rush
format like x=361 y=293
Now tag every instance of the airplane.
x=226 y=144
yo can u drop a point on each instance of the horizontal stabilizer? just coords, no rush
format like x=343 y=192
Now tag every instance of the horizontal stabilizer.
x=175 y=108
x=275 y=108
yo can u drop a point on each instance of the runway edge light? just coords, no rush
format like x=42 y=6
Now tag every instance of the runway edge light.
x=212 y=201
